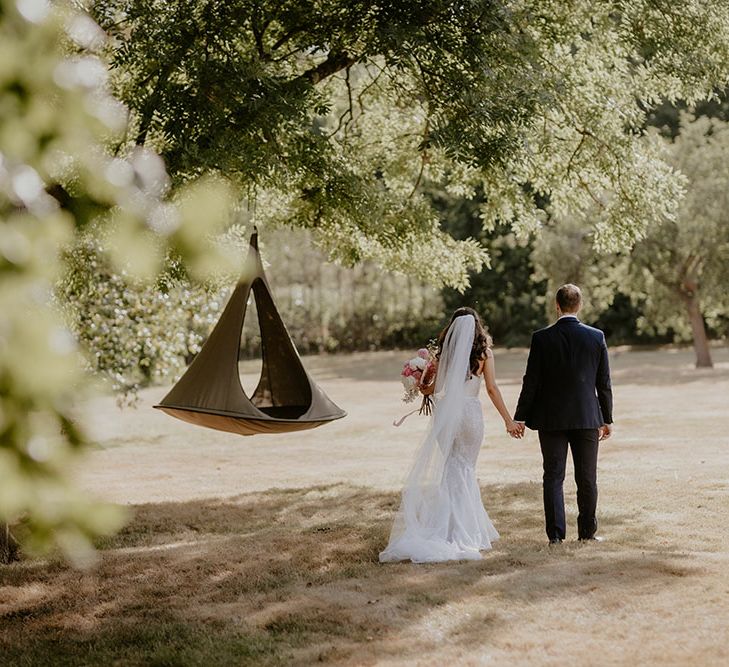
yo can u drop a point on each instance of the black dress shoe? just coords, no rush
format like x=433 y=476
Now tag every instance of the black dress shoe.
x=555 y=540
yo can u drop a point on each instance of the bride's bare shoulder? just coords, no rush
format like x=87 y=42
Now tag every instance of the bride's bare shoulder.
x=482 y=370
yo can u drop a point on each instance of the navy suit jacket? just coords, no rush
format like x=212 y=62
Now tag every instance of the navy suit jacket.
x=567 y=380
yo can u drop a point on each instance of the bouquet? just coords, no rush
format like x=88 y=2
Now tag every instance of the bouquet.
x=412 y=375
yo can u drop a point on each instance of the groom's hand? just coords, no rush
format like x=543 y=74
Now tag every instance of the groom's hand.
x=606 y=430
x=517 y=430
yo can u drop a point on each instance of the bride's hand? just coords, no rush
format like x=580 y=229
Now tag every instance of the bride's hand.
x=513 y=429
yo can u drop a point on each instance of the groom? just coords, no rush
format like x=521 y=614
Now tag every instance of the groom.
x=566 y=396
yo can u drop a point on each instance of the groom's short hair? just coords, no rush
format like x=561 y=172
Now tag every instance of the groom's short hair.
x=569 y=298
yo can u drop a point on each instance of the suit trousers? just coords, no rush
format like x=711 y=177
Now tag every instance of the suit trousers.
x=584 y=446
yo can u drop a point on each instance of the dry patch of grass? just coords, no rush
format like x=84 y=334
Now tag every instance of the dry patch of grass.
x=291 y=577
x=287 y=572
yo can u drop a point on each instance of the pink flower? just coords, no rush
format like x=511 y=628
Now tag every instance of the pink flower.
x=407 y=371
x=423 y=353
x=417 y=375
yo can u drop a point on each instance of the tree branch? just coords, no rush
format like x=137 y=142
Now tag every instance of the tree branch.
x=423 y=159
x=348 y=112
x=576 y=151
x=286 y=55
x=258 y=35
x=365 y=90
x=336 y=61
x=151 y=104
x=286 y=37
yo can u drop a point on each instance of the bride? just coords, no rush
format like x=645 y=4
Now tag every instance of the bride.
x=441 y=515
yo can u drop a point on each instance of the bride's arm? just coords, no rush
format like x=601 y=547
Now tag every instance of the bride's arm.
x=489 y=375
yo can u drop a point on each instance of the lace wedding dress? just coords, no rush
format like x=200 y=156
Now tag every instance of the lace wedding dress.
x=441 y=516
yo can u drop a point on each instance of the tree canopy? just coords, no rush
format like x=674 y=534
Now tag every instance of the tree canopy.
x=334 y=115
x=676 y=275
x=679 y=271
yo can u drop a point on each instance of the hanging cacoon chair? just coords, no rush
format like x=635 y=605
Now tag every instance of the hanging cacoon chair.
x=210 y=392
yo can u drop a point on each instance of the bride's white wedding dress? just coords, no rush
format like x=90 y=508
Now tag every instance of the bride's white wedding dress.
x=441 y=516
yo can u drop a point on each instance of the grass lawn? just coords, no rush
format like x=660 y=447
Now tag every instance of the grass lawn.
x=264 y=550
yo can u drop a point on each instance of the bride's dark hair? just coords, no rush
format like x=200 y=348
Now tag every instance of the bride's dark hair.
x=481 y=339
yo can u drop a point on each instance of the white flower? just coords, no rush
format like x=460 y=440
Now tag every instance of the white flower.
x=409 y=383
x=418 y=364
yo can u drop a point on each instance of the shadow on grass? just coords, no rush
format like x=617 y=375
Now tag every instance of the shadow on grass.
x=291 y=577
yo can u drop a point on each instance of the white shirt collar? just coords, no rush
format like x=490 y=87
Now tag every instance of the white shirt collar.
x=572 y=315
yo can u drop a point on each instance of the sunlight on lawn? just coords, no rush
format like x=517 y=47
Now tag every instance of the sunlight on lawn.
x=268 y=571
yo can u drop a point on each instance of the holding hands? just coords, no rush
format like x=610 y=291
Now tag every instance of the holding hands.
x=515 y=429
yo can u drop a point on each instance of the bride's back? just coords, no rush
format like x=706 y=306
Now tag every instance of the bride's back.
x=473 y=384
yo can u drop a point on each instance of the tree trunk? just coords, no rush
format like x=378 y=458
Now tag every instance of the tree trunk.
x=8 y=546
x=698 y=329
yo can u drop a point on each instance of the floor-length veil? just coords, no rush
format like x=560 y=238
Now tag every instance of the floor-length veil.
x=421 y=527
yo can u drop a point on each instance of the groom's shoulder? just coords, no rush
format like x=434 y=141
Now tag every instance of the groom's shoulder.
x=541 y=335
x=592 y=331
